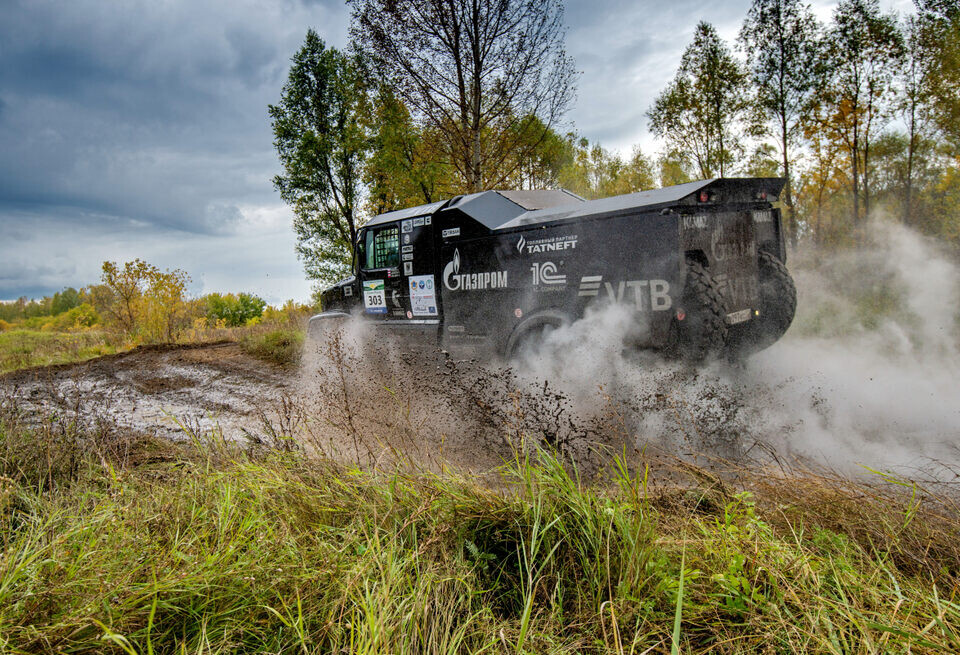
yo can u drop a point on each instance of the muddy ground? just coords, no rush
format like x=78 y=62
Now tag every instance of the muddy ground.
x=158 y=390
x=372 y=405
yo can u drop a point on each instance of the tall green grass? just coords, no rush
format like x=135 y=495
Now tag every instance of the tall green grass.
x=117 y=544
x=26 y=348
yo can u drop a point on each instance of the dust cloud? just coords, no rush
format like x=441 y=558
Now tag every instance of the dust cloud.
x=867 y=376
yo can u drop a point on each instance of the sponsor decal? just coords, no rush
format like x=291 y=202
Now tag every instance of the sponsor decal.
x=406 y=239
x=427 y=219
x=418 y=222
x=646 y=294
x=407 y=256
x=395 y=299
x=546 y=273
x=695 y=222
x=408 y=268
x=407 y=249
x=454 y=280
x=451 y=232
x=765 y=216
x=374 y=297
x=423 y=300
x=725 y=245
x=547 y=244
x=347 y=291
x=406 y=226
x=590 y=285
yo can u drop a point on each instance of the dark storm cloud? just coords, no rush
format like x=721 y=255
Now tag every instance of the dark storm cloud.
x=628 y=51
x=153 y=112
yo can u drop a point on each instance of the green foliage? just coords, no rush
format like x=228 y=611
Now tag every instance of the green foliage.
x=484 y=79
x=279 y=346
x=594 y=172
x=233 y=309
x=65 y=300
x=404 y=168
x=320 y=134
x=702 y=111
x=143 y=301
x=25 y=348
x=785 y=59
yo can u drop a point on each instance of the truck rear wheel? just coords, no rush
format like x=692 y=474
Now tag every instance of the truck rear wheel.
x=700 y=324
x=777 y=300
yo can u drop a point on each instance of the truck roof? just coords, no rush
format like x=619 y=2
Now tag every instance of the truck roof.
x=502 y=210
x=492 y=208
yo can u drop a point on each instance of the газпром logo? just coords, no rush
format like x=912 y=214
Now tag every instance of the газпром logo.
x=455 y=281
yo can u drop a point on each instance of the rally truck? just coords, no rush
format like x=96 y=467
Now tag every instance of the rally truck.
x=701 y=266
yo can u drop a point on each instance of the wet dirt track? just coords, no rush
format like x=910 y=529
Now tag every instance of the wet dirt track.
x=156 y=390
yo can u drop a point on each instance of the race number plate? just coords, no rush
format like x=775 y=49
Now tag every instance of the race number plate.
x=374 y=297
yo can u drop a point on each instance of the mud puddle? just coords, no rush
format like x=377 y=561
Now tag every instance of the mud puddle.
x=157 y=390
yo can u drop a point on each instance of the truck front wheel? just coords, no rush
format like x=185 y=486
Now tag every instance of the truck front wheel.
x=700 y=325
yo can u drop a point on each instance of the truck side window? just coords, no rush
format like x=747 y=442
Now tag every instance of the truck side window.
x=383 y=247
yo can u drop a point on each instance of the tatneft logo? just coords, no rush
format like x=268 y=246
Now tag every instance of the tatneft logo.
x=647 y=294
x=456 y=281
x=548 y=244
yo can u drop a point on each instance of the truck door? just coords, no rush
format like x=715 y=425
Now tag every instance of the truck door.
x=380 y=283
x=417 y=257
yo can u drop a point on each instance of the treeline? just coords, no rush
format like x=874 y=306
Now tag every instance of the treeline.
x=143 y=303
x=861 y=115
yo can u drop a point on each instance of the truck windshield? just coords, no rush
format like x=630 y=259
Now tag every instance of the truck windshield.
x=383 y=247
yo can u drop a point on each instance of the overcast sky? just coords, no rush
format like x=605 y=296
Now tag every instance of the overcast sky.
x=140 y=128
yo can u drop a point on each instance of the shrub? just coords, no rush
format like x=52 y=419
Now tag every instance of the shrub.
x=233 y=310
x=280 y=347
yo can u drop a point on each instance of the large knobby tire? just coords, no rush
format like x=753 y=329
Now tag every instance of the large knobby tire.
x=702 y=333
x=777 y=304
x=530 y=335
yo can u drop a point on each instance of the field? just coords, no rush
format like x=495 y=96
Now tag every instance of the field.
x=21 y=348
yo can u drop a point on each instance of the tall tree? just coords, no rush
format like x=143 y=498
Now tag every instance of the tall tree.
x=404 y=167
x=914 y=103
x=940 y=22
x=865 y=46
x=320 y=137
x=782 y=41
x=488 y=76
x=702 y=110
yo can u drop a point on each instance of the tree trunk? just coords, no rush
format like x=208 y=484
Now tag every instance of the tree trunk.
x=788 y=187
x=911 y=147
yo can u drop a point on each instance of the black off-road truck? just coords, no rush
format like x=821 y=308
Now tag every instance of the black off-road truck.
x=485 y=274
